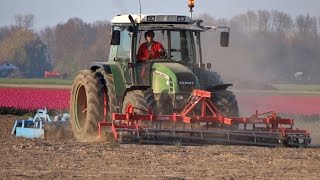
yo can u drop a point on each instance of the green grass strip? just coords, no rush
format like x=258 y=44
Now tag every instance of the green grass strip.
x=35 y=81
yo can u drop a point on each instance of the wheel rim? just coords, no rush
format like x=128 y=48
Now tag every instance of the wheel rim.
x=81 y=106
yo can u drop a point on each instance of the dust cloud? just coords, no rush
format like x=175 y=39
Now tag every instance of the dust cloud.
x=265 y=47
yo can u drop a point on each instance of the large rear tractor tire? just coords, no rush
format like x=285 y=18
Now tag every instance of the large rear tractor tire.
x=140 y=102
x=226 y=102
x=86 y=106
x=224 y=99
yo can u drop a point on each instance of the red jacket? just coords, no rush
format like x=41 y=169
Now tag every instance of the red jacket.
x=144 y=54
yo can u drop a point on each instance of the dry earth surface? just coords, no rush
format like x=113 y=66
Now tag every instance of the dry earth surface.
x=68 y=159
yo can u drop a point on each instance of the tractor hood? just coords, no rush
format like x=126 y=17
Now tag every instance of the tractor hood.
x=173 y=77
x=172 y=67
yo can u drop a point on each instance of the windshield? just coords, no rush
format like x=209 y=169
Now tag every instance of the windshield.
x=178 y=45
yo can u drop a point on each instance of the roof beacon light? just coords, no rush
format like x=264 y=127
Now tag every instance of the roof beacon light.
x=191 y=6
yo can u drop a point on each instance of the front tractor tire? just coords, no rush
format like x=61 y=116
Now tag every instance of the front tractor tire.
x=86 y=106
x=140 y=102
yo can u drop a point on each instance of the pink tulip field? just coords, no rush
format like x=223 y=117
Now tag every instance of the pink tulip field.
x=297 y=105
x=22 y=100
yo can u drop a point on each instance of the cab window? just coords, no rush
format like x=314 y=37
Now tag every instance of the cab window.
x=123 y=50
x=182 y=46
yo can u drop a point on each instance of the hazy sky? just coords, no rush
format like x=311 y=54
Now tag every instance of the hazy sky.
x=52 y=12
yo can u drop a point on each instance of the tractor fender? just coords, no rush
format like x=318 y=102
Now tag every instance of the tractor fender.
x=117 y=75
x=132 y=88
x=101 y=65
x=218 y=87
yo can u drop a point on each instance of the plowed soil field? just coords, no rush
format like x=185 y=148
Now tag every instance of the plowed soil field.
x=22 y=158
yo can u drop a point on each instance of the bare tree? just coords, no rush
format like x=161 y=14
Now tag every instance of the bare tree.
x=306 y=25
x=48 y=38
x=4 y=32
x=239 y=24
x=252 y=21
x=264 y=20
x=318 y=23
x=282 y=22
x=25 y=20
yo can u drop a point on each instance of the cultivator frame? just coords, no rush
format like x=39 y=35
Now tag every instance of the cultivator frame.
x=207 y=127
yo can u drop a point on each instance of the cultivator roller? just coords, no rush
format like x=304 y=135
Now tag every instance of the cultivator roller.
x=201 y=123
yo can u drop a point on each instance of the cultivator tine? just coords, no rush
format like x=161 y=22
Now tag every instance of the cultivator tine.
x=201 y=137
x=156 y=136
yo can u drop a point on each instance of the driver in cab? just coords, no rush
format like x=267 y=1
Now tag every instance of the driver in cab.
x=150 y=49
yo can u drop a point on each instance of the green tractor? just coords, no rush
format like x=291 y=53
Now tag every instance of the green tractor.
x=160 y=86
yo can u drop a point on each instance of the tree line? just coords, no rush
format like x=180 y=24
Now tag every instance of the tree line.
x=264 y=45
x=66 y=47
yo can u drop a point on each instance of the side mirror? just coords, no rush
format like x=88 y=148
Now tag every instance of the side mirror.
x=115 y=39
x=224 y=39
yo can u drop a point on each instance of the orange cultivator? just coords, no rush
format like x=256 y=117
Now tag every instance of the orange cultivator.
x=201 y=122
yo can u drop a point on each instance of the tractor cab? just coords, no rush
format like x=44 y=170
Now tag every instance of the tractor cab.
x=176 y=73
x=179 y=35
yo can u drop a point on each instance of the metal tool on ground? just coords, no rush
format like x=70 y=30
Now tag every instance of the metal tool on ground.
x=200 y=122
x=39 y=125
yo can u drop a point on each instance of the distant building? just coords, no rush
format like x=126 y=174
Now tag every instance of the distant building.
x=7 y=69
